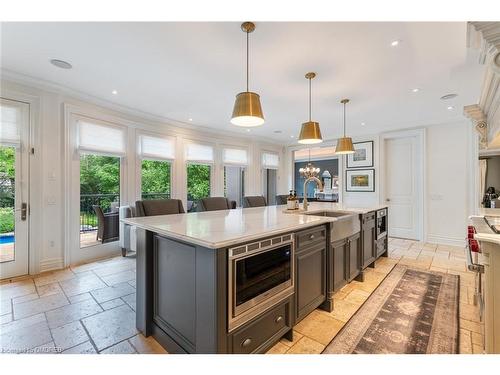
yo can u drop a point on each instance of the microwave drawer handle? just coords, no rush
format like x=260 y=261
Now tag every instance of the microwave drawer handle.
x=246 y=343
x=278 y=319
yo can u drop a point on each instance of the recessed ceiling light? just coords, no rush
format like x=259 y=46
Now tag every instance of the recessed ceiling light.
x=292 y=136
x=61 y=64
x=449 y=96
x=248 y=130
x=363 y=124
x=114 y=92
x=395 y=43
x=450 y=108
x=190 y=119
x=416 y=89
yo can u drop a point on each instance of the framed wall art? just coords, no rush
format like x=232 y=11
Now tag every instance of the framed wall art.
x=362 y=180
x=362 y=157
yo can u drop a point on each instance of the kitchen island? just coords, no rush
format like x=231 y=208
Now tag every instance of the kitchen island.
x=236 y=281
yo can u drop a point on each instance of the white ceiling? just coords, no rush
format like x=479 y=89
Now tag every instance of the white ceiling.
x=194 y=70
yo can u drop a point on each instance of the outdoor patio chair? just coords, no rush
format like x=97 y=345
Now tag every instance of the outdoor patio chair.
x=107 y=225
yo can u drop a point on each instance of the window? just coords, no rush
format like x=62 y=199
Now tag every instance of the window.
x=156 y=168
x=235 y=162
x=101 y=148
x=99 y=198
x=270 y=164
x=155 y=179
x=323 y=158
x=199 y=160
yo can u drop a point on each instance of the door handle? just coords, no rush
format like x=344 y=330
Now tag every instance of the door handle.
x=388 y=200
x=24 y=211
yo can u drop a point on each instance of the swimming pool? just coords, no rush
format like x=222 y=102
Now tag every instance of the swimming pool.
x=7 y=239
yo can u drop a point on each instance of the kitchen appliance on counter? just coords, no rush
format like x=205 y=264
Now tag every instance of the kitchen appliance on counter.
x=260 y=275
x=490 y=198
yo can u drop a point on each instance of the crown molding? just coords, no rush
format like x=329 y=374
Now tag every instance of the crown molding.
x=57 y=89
x=485 y=36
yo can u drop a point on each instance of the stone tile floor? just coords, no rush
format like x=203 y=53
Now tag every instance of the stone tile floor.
x=84 y=309
x=90 y=308
x=316 y=330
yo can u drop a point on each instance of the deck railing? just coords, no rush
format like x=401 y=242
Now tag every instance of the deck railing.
x=88 y=219
x=109 y=203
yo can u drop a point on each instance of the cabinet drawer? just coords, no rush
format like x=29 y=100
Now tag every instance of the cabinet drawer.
x=311 y=236
x=368 y=218
x=381 y=246
x=252 y=336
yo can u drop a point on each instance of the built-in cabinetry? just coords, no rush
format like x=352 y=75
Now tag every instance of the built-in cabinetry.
x=310 y=270
x=368 y=239
x=261 y=333
x=346 y=264
x=187 y=294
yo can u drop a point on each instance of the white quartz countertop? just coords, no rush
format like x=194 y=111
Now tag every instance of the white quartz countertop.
x=483 y=231
x=217 y=229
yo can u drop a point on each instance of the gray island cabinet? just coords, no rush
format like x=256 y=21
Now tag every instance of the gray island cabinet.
x=237 y=281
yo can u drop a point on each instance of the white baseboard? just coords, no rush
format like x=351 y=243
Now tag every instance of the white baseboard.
x=51 y=264
x=445 y=240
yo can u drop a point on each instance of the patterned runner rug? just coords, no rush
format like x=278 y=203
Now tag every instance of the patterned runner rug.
x=411 y=311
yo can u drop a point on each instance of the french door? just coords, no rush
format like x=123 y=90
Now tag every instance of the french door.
x=14 y=188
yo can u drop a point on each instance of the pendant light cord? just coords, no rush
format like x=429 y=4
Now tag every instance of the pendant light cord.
x=344 y=119
x=247 y=58
x=310 y=102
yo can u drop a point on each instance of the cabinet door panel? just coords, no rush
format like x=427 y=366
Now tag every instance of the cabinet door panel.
x=310 y=278
x=354 y=249
x=339 y=264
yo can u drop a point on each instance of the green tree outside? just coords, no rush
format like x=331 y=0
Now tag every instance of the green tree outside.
x=198 y=182
x=155 y=179
x=7 y=188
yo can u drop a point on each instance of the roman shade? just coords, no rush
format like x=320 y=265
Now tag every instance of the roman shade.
x=157 y=148
x=10 y=126
x=235 y=156
x=99 y=138
x=199 y=153
x=270 y=160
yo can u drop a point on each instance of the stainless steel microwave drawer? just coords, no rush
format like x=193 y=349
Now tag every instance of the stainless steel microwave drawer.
x=252 y=337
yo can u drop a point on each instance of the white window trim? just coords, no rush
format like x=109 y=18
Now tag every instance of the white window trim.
x=73 y=254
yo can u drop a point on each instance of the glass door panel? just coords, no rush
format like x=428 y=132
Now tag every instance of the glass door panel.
x=14 y=131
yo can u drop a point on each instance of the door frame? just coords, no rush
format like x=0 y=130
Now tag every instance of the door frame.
x=419 y=135
x=35 y=196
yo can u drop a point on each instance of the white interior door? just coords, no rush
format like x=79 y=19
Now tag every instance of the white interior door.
x=14 y=188
x=401 y=186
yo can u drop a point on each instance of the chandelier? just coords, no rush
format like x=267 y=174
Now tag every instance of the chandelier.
x=310 y=170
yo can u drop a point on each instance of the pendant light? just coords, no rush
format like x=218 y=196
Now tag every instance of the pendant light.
x=247 y=111
x=310 y=132
x=344 y=144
